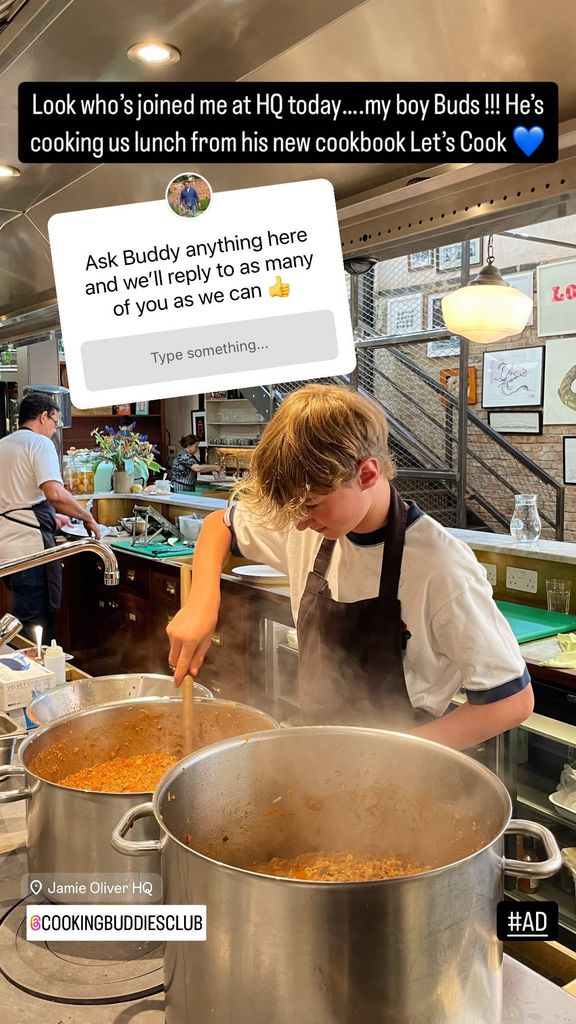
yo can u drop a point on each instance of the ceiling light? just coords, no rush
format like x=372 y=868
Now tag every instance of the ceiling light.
x=7 y=171
x=359 y=264
x=154 y=53
x=488 y=309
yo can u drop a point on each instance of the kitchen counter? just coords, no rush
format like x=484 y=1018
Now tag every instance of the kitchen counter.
x=504 y=544
x=142 y=498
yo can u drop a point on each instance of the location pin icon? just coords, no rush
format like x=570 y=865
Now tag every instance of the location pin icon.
x=35 y=886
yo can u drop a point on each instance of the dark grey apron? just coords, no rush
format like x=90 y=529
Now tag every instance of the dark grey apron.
x=46 y=524
x=350 y=661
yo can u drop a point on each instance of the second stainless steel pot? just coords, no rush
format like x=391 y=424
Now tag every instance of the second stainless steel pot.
x=414 y=950
x=69 y=829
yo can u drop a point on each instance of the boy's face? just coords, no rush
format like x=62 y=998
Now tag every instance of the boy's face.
x=342 y=511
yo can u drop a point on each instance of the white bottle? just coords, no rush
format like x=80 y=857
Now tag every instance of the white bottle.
x=54 y=661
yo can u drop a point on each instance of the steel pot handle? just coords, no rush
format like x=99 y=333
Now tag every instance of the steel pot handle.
x=8 y=771
x=133 y=848
x=533 y=869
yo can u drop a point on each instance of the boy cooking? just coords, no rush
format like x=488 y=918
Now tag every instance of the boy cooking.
x=394 y=615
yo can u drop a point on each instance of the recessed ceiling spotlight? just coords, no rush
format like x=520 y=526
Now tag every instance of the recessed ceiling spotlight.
x=7 y=171
x=154 y=53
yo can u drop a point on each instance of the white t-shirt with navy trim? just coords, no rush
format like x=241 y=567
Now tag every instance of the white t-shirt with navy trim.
x=459 y=638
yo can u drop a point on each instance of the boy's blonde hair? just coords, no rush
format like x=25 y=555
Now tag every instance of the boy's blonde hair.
x=313 y=443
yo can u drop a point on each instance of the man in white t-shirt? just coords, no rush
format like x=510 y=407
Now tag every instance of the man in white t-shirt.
x=31 y=495
x=394 y=615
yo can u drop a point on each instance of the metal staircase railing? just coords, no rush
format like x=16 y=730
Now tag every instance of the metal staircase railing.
x=423 y=420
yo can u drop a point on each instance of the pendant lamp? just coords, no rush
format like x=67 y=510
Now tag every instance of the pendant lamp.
x=488 y=309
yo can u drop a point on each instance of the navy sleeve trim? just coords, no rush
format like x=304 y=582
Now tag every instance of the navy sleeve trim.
x=234 y=550
x=499 y=692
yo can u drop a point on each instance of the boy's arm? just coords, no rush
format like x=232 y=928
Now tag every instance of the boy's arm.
x=472 y=723
x=191 y=629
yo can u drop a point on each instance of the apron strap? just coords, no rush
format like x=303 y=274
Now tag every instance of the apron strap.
x=393 y=546
x=21 y=508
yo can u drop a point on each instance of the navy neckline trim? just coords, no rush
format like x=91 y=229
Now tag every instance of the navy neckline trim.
x=379 y=536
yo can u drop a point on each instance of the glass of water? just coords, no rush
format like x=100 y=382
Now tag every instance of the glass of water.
x=558 y=596
x=525 y=525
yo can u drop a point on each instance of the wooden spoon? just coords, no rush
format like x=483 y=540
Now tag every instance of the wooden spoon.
x=187 y=715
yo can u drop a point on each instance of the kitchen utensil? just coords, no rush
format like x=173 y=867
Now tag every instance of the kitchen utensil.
x=38 y=635
x=187 y=715
x=260 y=574
x=562 y=809
x=86 y=819
x=415 y=950
x=101 y=691
x=134 y=524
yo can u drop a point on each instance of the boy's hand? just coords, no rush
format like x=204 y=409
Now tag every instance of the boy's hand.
x=190 y=634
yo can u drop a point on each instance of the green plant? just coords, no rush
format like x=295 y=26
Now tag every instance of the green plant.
x=125 y=445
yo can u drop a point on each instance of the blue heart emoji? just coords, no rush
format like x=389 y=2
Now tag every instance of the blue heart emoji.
x=528 y=140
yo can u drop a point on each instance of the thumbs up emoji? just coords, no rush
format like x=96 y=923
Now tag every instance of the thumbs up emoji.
x=279 y=289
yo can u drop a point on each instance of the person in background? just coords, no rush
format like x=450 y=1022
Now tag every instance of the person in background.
x=394 y=615
x=34 y=504
x=189 y=197
x=187 y=465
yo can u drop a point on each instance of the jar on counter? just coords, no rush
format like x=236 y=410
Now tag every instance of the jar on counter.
x=69 y=473
x=525 y=525
x=529 y=855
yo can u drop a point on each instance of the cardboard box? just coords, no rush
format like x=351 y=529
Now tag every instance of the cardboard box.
x=22 y=679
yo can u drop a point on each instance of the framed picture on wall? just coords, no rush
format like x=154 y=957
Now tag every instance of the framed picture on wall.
x=556 y=295
x=560 y=381
x=199 y=427
x=404 y=314
x=420 y=260
x=570 y=460
x=449 y=257
x=524 y=282
x=142 y=408
x=516 y=422
x=512 y=377
x=450 y=379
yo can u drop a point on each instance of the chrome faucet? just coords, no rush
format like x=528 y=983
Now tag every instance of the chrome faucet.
x=10 y=626
x=75 y=547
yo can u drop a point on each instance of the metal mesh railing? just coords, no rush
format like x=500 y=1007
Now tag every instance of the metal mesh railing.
x=409 y=362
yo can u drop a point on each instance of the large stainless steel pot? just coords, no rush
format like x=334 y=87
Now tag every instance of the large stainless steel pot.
x=10 y=735
x=68 y=829
x=100 y=691
x=416 y=950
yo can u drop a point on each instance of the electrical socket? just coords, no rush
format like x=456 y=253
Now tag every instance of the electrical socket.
x=521 y=579
x=491 y=572
x=171 y=451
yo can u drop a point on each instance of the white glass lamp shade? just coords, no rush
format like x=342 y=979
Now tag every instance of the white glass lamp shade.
x=485 y=312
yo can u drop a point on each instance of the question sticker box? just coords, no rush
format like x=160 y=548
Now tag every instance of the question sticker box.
x=153 y=305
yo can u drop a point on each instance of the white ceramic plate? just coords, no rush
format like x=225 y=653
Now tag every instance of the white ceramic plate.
x=260 y=574
x=565 y=812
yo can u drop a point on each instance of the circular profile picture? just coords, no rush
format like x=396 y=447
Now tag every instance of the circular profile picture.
x=189 y=195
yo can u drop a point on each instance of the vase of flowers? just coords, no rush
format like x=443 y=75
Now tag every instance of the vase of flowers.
x=125 y=448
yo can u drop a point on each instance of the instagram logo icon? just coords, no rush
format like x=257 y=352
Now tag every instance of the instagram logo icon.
x=35 y=922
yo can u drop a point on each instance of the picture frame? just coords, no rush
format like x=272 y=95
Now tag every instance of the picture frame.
x=450 y=379
x=524 y=282
x=142 y=409
x=559 y=379
x=555 y=298
x=435 y=315
x=421 y=260
x=449 y=257
x=569 y=461
x=443 y=349
x=516 y=422
x=199 y=427
x=404 y=314
x=512 y=377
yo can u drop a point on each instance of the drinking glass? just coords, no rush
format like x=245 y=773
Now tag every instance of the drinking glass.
x=558 y=596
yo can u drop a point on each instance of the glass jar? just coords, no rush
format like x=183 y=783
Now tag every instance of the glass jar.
x=525 y=525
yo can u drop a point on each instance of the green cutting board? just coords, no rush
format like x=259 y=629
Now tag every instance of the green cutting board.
x=535 y=623
x=157 y=550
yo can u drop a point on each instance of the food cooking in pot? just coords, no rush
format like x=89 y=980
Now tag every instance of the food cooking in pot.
x=139 y=774
x=338 y=867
